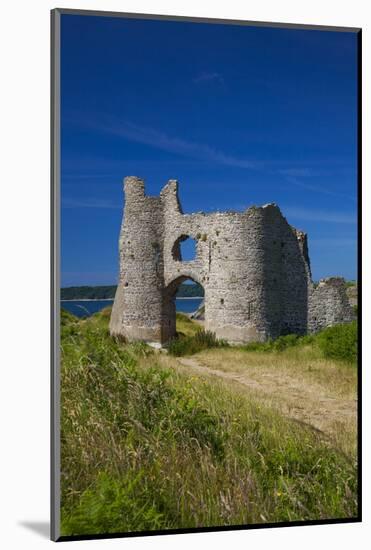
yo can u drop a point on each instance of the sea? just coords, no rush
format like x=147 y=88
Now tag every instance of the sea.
x=84 y=308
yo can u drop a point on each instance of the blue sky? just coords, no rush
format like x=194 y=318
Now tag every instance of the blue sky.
x=239 y=115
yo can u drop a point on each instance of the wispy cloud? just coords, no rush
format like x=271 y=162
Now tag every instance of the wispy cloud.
x=209 y=77
x=193 y=150
x=173 y=144
x=323 y=190
x=313 y=215
x=89 y=203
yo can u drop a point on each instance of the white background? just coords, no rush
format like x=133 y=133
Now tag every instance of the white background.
x=24 y=318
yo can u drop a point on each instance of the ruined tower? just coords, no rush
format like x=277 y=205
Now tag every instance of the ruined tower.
x=253 y=266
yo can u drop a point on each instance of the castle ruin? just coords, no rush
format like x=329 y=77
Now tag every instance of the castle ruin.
x=254 y=268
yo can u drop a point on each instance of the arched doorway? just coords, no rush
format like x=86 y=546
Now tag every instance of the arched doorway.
x=182 y=299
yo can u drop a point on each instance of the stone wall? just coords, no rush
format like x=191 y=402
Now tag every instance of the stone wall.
x=328 y=304
x=253 y=265
x=137 y=309
x=352 y=293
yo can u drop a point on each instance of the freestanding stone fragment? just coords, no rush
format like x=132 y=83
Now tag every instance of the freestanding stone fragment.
x=254 y=268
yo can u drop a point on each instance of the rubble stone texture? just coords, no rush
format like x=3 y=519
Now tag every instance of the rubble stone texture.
x=253 y=266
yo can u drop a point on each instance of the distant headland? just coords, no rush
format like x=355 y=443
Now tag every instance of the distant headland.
x=108 y=292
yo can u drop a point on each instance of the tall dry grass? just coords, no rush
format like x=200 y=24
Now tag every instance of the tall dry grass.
x=145 y=447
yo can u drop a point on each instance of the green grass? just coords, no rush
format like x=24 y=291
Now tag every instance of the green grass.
x=185 y=326
x=279 y=344
x=145 y=446
x=339 y=342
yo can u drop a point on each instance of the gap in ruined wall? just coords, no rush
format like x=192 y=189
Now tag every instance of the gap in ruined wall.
x=184 y=249
x=191 y=307
x=197 y=313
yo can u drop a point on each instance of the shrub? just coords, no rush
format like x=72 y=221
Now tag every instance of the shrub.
x=206 y=338
x=339 y=342
x=202 y=339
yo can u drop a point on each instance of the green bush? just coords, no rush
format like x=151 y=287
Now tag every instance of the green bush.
x=339 y=342
x=202 y=339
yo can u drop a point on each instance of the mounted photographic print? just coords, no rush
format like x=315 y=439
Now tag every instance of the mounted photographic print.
x=205 y=281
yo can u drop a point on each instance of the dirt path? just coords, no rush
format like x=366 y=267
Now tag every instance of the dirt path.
x=306 y=403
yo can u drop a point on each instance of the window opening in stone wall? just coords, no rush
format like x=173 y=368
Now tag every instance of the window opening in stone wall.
x=185 y=249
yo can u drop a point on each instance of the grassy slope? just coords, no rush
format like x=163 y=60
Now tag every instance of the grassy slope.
x=185 y=326
x=149 y=446
x=300 y=383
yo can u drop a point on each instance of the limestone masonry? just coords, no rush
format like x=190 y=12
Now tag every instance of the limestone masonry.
x=253 y=266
